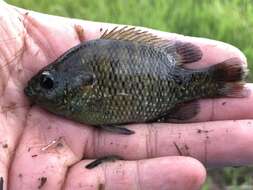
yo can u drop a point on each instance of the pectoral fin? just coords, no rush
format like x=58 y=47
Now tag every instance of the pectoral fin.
x=101 y=160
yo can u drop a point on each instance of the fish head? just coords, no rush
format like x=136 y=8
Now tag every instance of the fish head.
x=55 y=86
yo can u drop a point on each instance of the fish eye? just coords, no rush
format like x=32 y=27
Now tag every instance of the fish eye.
x=46 y=81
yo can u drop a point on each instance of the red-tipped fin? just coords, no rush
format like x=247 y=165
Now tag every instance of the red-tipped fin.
x=234 y=90
x=188 y=52
x=231 y=70
x=231 y=75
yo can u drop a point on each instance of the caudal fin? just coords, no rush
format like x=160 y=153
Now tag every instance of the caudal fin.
x=230 y=76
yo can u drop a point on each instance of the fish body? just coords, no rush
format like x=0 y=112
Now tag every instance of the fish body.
x=130 y=76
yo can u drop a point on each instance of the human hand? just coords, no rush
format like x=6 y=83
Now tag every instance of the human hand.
x=168 y=154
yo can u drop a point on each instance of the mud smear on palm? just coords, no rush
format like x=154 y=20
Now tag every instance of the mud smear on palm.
x=42 y=182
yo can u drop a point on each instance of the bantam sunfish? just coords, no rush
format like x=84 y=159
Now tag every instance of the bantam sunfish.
x=131 y=76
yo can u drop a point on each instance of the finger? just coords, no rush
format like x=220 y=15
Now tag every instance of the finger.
x=39 y=24
x=220 y=143
x=45 y=152
x=31 y=165
x=160 y=173
x=213 y=51
x=11 y=126
x=11 y=119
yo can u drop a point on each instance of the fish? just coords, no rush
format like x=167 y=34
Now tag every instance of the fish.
x=132 y=76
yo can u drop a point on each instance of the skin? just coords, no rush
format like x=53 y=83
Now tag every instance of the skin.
x=42 y=151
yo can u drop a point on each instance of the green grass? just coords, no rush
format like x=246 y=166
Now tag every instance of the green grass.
x=230 y=21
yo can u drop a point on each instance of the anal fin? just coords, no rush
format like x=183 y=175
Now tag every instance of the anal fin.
x=180 y=113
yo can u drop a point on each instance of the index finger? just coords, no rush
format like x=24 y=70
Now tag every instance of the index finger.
x=213 y=51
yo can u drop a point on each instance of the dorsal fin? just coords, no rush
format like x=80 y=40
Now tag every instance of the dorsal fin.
x=137 y=36
x=184 y=52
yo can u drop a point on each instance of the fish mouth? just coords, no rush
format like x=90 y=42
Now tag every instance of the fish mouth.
x=29 y=91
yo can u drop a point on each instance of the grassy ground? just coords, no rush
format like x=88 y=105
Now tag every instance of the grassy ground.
x=226 y=20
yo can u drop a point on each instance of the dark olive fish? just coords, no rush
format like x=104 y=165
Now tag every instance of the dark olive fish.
x=131 y=76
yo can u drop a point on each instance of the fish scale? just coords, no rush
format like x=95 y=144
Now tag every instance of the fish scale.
x=138 y=107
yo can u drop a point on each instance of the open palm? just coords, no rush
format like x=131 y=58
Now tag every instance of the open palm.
x=41 y=150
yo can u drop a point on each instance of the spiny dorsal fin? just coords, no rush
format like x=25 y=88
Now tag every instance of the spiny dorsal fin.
x=182 y=51
x=137 y=36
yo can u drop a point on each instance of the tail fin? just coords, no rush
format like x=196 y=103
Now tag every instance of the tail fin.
x=230 y=76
